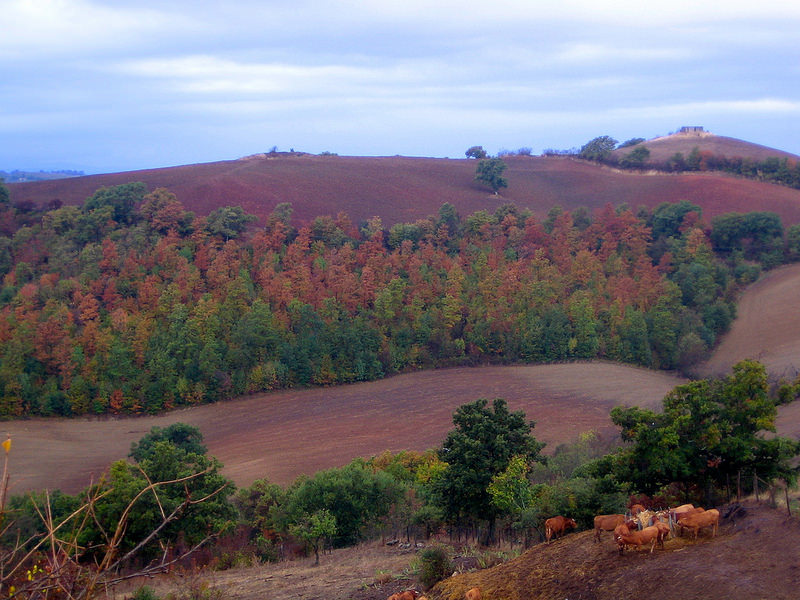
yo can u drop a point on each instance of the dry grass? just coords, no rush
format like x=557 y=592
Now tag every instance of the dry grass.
x=371 y=568
x=755 y=557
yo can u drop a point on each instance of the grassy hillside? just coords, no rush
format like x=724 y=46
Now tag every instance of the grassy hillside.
x=661 y=148
x=754 y=556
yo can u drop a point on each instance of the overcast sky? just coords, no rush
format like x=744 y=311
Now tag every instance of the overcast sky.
x=118 y=85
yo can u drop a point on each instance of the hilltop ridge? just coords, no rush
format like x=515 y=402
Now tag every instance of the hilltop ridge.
x=401 y=189
x=688 y=138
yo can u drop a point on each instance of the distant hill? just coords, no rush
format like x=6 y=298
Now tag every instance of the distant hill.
x=662 y=148
x=401 y=189
x=17 y=176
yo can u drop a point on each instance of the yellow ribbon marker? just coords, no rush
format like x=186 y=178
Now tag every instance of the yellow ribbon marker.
x=7 y=445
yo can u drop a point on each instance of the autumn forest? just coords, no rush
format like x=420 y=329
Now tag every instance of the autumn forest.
x=130 y=304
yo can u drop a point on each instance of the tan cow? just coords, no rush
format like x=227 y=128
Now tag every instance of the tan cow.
x=663 y=532
x=695 y=522
x=648 y=535
x=556 y=526
x=681 y=512
x=473 y=594
x=606 y=523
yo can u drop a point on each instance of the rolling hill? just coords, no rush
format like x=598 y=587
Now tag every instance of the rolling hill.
x=256 y=436
x=662 y=148
x=400 y=189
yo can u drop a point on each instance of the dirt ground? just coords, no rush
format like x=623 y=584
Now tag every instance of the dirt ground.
x=767 y=327
x=403 y=189
x=285 y=434
x=754 y=556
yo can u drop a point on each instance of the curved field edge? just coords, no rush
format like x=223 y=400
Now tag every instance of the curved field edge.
x=767 y=327
x=284 y=434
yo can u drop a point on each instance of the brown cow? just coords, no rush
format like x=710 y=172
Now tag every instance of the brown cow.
x=683 y=509
x=405 y=595
x=636 y=509
x=625 y=528
x=606 y=523
x=695 y=522
x=681 y=512
x=473 y=594
x=663 y=532
x=648 y=535
x=556 y=526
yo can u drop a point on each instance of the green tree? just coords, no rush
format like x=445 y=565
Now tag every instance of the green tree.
x=5 y=197
x=635 y=158
x=181 y=435
x=490 y=172
x=598 y=149
x=631 y=142
x=668 y=217
x=476 y=152
x=314 y=529
x=355 y=495
x=510 y=490
x=228 y=222
x=120 y=198
x=710 y=430
x=480 y=447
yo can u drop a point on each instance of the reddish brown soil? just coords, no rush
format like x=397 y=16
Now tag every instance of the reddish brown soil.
x=400 y=189
x=284 y=434
x=767 y=327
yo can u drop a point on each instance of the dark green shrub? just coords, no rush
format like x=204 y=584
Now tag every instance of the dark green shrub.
x=144 y=593
x=434 y=565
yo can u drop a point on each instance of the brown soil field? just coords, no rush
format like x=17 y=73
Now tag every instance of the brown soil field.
x=401 y=189
x=284 y=434
x=767 y=327
x=755 y=556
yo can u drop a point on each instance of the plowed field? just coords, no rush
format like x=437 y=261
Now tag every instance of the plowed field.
x=284 y=434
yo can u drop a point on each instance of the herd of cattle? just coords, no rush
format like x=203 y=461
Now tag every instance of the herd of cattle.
x=471 y=594
x=641 y=527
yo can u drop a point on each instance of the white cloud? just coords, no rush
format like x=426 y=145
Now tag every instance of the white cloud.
x=758 y=106
x=59 y=28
